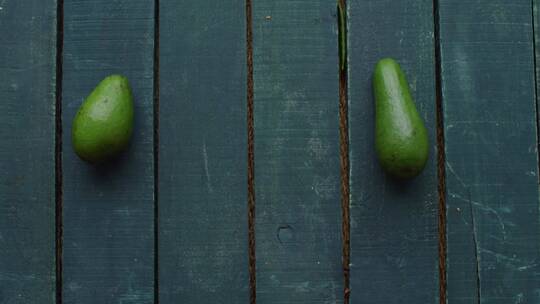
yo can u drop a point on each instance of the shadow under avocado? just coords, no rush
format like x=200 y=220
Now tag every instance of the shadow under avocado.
x=103 y=172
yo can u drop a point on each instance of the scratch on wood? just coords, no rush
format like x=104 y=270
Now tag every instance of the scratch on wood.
x=451 y=170
x=206 y=171
x=473 y=225
x=483 y=207
x=476 y=248
x=522 y=268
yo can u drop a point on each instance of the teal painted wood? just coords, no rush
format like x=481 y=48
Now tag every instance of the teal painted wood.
x=394 y=232
x=27 y=151
x=108 y=252
x=203 y=153
x=493 y=215
x=297 y=172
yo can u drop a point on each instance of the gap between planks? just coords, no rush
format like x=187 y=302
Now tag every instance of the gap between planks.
x=344 y=146
x=250 y=156
x=156 y=151
x=534 y=32
x=441 y=170
x=58 y=150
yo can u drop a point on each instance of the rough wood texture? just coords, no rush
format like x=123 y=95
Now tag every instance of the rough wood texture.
x=297 y=175
x=203 y=153
x=27 y=132
x=394 y=233
x=491 y=151
x=108 y=209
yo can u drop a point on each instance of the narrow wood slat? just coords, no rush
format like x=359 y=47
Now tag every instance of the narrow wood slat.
x=297 y=171
x=108 y=209
x=491 y=151
x=394 y=231
x=27 y=133
x=203 y=248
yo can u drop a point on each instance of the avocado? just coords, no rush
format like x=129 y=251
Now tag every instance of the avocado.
x=103 y=125
x=401 y=139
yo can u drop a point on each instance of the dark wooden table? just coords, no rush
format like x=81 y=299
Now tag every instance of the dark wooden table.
x=174 y=219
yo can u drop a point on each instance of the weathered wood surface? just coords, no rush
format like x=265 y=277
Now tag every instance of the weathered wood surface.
x=203 y=153
x=297 y=175
x=394 y=231
x=108 y=253
x=491 y=151
x=490 y=125
x=27 y=136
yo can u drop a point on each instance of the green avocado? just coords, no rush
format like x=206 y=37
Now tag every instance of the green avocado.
x=401 y=139
x=103 y=125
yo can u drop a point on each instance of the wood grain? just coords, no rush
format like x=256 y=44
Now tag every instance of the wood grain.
x=491 y=150
x=394 y=232
x=297 y=171
x=203 y=248
x=27 y=151
x=108 y=209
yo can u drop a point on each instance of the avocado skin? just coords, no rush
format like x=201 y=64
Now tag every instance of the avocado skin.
x=103 y=125
x=401 y=139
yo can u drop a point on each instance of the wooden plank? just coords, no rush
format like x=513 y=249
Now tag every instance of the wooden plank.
x=491 y=151
x=108 y=209
x=297 y=171
x=27 y=152
x=394 y=231
x=203 y=252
